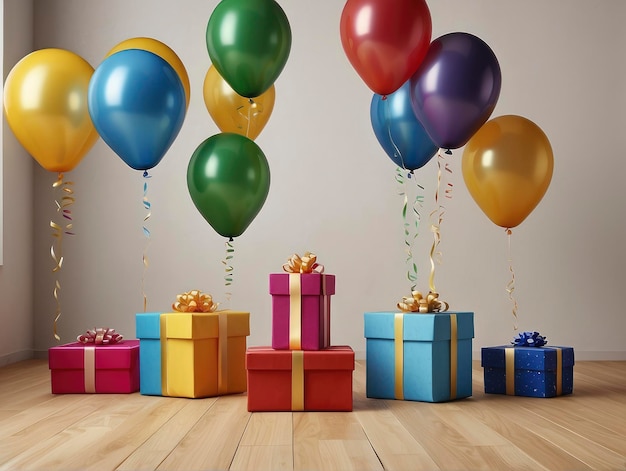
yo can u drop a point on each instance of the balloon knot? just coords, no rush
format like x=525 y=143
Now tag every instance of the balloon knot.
x=448 y=152
x=230 y=239
x=384 y=97
x=145 y=174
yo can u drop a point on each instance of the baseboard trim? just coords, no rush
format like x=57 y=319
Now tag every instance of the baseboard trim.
x=15 y=357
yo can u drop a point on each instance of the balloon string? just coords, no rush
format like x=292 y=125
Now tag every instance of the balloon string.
x=250 y=115
x=146 y=232
x=510 y=287
x=228 y=269
x=58 y=230
x=436 y=217
x=411 y=230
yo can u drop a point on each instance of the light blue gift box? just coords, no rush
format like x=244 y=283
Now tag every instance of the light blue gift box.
x=425 y=347
x=148 y=331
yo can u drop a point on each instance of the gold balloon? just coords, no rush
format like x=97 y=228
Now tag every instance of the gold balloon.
x=507 y=167
x=234 y=113
x=164 y=52
x=45 y=103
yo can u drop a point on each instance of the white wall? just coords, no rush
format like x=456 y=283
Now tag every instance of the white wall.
x=16 y=273
x=333 y=189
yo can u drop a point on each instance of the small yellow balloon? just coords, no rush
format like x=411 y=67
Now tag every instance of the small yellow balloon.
x=507 y=167
x=233 y=112
x=164 y=52
x=45 y=103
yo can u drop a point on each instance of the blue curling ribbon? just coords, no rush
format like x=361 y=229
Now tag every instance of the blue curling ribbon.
x=529 y=339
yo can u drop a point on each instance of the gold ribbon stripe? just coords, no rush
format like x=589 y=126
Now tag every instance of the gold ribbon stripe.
x=89 y=357
x=297 y=380
x=222 y=353
x=453 y=354
x=559 y=371
x=295 y=312
x=398 y=327
x=163 y=340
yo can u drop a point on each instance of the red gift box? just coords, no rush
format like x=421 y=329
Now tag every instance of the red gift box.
x=301 y=310
x=293 y=380
x=88 y=368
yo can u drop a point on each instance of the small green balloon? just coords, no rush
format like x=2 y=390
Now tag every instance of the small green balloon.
x=228 y=178
x=249 y=42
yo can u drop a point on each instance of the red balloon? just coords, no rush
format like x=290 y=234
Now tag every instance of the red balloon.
x=385 y=40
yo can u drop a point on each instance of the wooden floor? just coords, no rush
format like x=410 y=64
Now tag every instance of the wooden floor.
x=587 y=430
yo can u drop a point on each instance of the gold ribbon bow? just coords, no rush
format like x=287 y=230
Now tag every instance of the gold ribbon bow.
x=305 y=264
x=194 y=301
x=100 y=336
x=419 y=303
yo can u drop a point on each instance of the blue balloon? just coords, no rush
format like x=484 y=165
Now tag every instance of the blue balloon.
x=398 y=131
x=137 y=104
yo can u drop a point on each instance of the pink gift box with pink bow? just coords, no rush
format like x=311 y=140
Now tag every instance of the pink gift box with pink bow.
x=95 y=368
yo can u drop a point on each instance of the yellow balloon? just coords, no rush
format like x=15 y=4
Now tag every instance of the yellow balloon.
x=507 y=167
x=45 y=103
x=234 y=113
x=164 y=52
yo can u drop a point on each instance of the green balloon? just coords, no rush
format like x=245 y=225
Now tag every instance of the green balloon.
x=228 y=178
x=249 y=42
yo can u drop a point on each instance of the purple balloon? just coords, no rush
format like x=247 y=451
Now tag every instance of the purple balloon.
x=456 y=88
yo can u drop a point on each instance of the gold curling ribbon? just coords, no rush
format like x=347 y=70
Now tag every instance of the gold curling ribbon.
x=63 y=207
x=222 y=353
x=194 y=301
x=295 y=312
x=254 y=109
x=435 y=226
x=559 y=371
x=398 y=326
x=509 y=358
x=423 y=304
x=89 y=358
x=510 y=287
x=305 y=264
x=297 y=380
x=453 y=354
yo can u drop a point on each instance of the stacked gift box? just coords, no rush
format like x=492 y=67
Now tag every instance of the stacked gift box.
x=301 y=371
x=195 y=351
x=528 y=368
x=421 y=352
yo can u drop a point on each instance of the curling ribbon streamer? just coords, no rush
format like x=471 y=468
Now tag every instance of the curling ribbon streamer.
x=409 y=239
x=510 y=287
x=253 y=111
x=297 y=380
x=58 y=230
x=228 y=268
x=146 y=232
x=435 y=226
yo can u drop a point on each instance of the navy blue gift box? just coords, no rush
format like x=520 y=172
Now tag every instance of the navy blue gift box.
x=528 y=371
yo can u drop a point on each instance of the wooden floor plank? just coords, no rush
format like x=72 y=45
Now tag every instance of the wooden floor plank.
x=153 y=451
x=212 y=442
x=582 y=431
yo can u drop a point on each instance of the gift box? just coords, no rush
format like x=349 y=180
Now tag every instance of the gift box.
x=301 y=310
x=88 y=368
x=419 y=356
x=528 y=371
x=192 y=354
x=298 y=380
x=148 y=330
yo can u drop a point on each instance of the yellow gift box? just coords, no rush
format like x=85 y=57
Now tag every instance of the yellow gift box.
x=203 y=354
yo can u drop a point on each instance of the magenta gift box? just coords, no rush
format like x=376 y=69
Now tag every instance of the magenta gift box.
x=304 y=299
x=87 y=368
